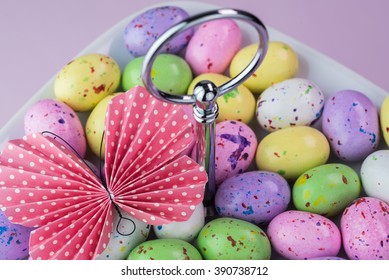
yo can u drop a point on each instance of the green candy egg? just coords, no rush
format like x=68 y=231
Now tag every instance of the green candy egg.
x=164 y=249
x=326 y=189
x=233 y=239
x=170 y=73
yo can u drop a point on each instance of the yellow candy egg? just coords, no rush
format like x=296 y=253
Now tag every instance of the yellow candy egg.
x=279 y=64
x=384 y=118
x=292 y=151
x=94 y=127
x=238 y=104
x=86 y=80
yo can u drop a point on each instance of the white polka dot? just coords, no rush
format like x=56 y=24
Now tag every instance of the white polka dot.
x=192 y=207
x=10 y=160
x=9 y=198
x=198 y=195
x=32 y=164
x=184 y=194
x=42 y=247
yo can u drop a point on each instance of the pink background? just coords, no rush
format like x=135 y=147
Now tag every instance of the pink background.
x=39 y=37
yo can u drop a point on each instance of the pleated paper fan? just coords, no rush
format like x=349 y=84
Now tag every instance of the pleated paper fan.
x=44 y=184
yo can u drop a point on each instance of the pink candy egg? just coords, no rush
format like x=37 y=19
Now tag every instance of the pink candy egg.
x=365 y=229
x=302 y=235
x=58 y=118
x=213 y=46
x=236 y=144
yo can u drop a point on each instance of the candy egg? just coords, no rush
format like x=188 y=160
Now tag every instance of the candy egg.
x=280 y=63
x=327 y=258
x=233 y=239
x=375 y=176
x=365 y=229
x=235 y=149
x=170 y=73
x=384 y=118
x=14 y=240
x=60 y=120
x=302 y=235
x=238 y=104
x=187 y=230
x=256 y=196
x=86 y=80
x=326 y=189
x=128 y=233
x=292 y=102
x=350 y=122
x=165 y=249
x=292 y=151
x=94 y=126
x=144 y=29
x=213 y=46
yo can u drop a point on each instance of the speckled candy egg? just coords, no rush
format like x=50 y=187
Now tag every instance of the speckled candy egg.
x=375 y=175
x=95 y=124
x=292 y=151
x=187 y=230
x=365 y=229
x=58 y=118
x=165 y=249
x=327 y=258
x=14 y=240
x=170 y=73
x=302 y=235
x=350 y=122
x=326 y=189
x=213 y=46
x=256 y=196
x=235 y=149
x=233 y=239
x=127 y=234
x=144 y=29
x=238 y=104
x=384 y=119
x=292 y=102
x=86 y=80
x=280 y=63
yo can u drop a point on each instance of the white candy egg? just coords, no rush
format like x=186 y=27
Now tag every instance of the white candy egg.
x=187 y=230
x=375 y=175
x=292 y=102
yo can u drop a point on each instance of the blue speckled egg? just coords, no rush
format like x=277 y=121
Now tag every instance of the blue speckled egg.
x=256 y=196
x=350 y=122
x=144 y=29
x=13 y=240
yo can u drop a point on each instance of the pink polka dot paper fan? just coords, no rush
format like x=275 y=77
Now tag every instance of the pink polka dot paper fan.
x=45 y=185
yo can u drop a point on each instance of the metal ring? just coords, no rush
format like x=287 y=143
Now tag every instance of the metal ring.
x=194 y=21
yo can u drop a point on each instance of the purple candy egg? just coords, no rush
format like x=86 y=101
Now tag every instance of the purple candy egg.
x=350 y=122
x=236 y=144
x=14 y=240
x=59 y=119
x=256 y=196
x=365 y=229
x=144 y=29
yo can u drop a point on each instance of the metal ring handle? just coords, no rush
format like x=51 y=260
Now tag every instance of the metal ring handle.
x=194 y=21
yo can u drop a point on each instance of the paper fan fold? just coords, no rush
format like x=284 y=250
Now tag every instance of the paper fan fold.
x=43 y=184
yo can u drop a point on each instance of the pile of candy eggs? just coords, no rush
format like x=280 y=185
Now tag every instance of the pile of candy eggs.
x=284 y=150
